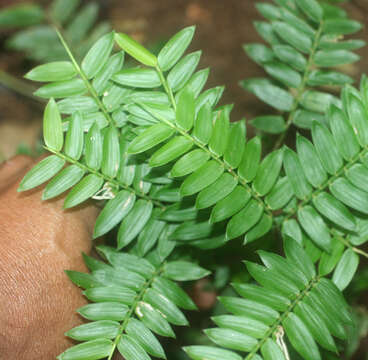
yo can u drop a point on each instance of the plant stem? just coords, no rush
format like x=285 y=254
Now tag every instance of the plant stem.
x=278 y=322
x=166 y=87
x=90 y=88
x=301 y=89
x=133 y=307
x=115 y=182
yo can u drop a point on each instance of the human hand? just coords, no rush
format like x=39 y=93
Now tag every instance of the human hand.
x=38 y=241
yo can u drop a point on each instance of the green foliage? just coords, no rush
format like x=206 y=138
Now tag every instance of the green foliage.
x=132 y=299
x=171 y=170
x=304 y=61
x=39 y=41
x=290 y=297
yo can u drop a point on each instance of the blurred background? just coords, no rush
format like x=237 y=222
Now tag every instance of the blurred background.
x=222 y=28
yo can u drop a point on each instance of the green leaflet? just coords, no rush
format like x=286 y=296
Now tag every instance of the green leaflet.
x=315 y=227
x=201 y=178
x=114 y=211
x=185 y=110
x=231 y=339
x=293 y=36
x=184 y=271
x=103 y=311
x=311 y=8
x=93 y=147
x=111 y=153
x=235 y=147
x=63 y=181
x=94 y=330
x=98 y=55
x=271 y=94
x=135 y=49
x=183 y=70
x=189 y=163
x=21 y=15
x=220 y=133
x=174 y=48
x=301 y=338
x=203 y=124
x=52 y=128
x=176 y=147
x=268 y=172
x=85 y=189
x=113 y=65
x=131 y=350
x=283 y=73
x=290 y=56
x=250 y=160
x=62 y=89
x=211 y=195
x=271 y=351
x=295 y=174
x=166 y=307
x=150 y=138
x=54 y=71
x=137 y=77
x=350 y=195
x=310 y=162
x=272 y=124
x=244 y=220
x=334 y=210
x=345 y=269
x=41 y=172
x=95 y=349
x=326 y=148
x=330 y=58
x=210 y=353
x=258 y=53
x=134 y=222
x=145 y=338
x=74 y=137
x=154 y=320
x=230 y=205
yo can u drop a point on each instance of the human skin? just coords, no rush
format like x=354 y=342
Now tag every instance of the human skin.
x=38 y=241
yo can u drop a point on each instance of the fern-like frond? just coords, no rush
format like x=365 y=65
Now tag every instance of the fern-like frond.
x=304 y=57
x=329 y=177
x=38 y=39
x=291 y=299
x=132 y=299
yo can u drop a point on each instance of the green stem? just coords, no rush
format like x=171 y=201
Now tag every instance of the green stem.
x=133 y=307
x=281 y=318
x=302 y=87
x=349 y=245
x=113 y=181
x=166 y=86
x=81 y=73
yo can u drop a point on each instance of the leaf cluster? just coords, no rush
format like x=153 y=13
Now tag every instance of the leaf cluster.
x=169 y=169
x=304 y=59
